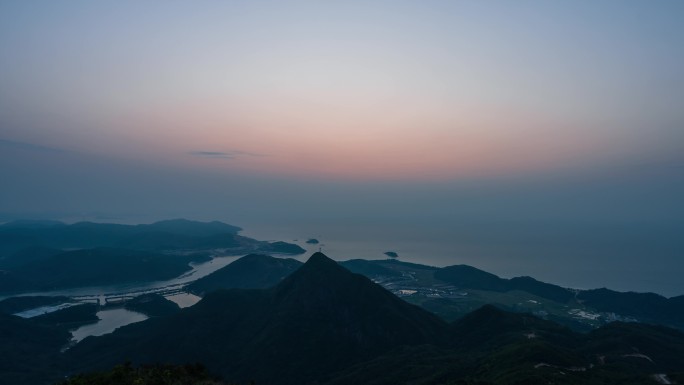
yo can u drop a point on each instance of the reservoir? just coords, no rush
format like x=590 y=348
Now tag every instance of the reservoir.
x=110 y=320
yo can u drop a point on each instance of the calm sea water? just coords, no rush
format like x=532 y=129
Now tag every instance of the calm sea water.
x=643 y=257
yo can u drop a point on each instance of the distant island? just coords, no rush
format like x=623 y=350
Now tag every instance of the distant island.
x=391 y=254
x=313 y=241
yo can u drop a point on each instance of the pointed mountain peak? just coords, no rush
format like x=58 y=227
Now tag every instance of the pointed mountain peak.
x=319 y=273
x=318 y=257
x=319 y=263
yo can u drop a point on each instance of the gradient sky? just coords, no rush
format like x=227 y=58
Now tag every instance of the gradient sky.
x=347 y=90
x=385 y=111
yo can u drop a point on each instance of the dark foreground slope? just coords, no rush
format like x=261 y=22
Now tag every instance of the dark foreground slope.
x=326 y=325
x=319 y=320
x=29 y=351
x=126 y=374
x=491 y=346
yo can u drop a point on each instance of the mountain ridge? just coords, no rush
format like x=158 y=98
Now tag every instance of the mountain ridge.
x=175 y=234
x=289 y=320
x=323 y=324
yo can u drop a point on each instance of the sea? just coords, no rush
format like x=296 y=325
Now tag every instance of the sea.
x=643 y=257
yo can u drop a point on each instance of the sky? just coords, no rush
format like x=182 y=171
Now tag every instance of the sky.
x=433 y=112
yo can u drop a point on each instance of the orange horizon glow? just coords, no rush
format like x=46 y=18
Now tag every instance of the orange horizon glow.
x=347 y=91
x=388 y=144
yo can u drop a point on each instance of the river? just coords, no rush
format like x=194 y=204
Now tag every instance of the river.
x=113 y=318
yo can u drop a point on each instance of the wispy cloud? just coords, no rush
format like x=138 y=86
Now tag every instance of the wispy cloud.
x=28 y=146
x=232 y=154
x=213 y=154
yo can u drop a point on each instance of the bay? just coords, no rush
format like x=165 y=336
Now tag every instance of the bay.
x=643 y=257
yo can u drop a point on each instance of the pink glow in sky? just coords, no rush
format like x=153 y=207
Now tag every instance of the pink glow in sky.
x=429 y=90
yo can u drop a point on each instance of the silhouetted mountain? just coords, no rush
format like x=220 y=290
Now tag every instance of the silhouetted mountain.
x=360 y=316
x=152 y=305
x=191 y=228
x=29 y=351
x=677 y=301
x=94 y=267
x=158 y=240
x=541 y=289
x=31 y=258
x=177 y=234
x=396 y=262
x=490 y=325
x=451 y=305
x=318 y=320
x=369 y=268
x=71 y=317
x=253 y=271
x=325 y=325
x=648 y=307
x=454 y=291
x=279 y=247
x=470 y=277
x=28 y=255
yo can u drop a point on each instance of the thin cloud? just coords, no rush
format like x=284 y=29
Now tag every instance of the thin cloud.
x=29 y=146
x=212 y=154
x=222 y=154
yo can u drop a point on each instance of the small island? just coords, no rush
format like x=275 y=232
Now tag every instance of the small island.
x=391 y=254
x=313 y=241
